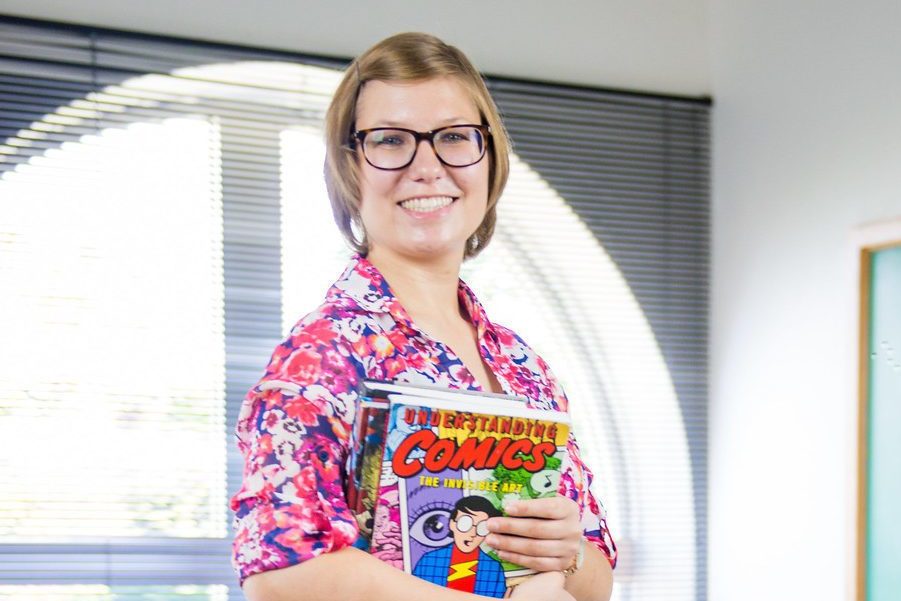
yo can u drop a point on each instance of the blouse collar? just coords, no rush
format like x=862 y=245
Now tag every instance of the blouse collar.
x=364 y=285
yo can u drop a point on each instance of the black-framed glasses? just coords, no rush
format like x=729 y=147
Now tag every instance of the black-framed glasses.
x=392 y=148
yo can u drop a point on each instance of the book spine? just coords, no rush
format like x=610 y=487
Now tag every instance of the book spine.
x=370 y=464
x=353 y=467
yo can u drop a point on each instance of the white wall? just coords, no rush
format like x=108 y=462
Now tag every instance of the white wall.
x=807 y=145
x=647 y=45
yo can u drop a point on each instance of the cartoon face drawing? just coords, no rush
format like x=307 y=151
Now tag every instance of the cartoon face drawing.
x=469 y=529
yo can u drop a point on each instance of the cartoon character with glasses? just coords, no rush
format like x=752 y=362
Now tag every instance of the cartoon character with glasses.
x=463 y=566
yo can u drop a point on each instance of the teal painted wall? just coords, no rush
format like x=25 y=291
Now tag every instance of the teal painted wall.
x=884 y=462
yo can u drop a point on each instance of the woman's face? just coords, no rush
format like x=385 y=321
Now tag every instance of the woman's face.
x=427 y=210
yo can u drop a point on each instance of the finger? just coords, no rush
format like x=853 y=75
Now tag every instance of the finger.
x=537 y=528
x=539 y=564
x=530 y=527
x=533 y=547
x=552 y=508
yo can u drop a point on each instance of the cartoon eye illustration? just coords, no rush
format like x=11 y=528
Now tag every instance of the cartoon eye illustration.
x=431 y=528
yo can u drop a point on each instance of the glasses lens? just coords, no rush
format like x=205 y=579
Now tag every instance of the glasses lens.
x=464 y=523
x=460 y=146
x=482 y=528
x=389 y=148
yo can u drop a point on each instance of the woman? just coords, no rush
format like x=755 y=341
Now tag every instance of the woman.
x=416 y=159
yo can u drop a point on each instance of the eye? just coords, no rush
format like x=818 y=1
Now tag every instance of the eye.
x=432 y=527
x=453 y=136
x=323 y=455
x=387 y=139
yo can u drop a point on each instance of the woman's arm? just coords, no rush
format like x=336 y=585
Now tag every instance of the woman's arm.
x=594 y=580
x=352 y=575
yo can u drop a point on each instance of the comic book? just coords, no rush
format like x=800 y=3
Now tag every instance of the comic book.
x=368 y=437
x=447 y=466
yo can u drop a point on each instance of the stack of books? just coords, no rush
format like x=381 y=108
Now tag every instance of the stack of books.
x=429 y=466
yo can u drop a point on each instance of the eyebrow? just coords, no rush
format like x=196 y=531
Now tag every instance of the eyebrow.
x=442 y=123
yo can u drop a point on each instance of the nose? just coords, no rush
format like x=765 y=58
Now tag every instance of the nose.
x=426 y=165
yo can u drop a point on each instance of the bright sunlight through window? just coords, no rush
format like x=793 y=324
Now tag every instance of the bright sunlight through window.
x=112 y=362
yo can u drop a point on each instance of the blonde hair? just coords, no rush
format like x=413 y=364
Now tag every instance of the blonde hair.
x=406 y=57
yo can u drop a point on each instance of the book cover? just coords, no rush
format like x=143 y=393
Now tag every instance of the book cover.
x=364 y=462
x=449 y=466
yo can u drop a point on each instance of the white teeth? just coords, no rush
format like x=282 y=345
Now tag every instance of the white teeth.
x=424 y=205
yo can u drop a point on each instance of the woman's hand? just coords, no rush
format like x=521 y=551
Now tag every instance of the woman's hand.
x=543 y=587
x=542 y=534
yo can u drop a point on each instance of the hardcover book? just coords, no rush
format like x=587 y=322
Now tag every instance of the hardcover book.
x=448 y=462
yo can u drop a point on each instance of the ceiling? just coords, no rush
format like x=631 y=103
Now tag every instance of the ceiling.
x=657 y=46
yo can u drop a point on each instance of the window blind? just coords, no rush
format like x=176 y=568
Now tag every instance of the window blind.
x=157 y=203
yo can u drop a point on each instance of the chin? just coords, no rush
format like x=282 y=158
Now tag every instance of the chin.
x=433 y=249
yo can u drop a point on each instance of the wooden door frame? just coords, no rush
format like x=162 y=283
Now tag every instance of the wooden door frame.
x=866 y=240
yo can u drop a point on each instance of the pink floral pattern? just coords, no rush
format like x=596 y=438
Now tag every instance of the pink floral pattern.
x=294 y=426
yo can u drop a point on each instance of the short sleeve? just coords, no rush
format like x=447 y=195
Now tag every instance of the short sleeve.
x=293 y=431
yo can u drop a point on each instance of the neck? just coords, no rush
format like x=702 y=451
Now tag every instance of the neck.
x=426 y=289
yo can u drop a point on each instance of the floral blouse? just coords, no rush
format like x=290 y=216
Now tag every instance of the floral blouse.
x=294 y=426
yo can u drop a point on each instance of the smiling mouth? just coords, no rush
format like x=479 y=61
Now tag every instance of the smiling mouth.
x=426 y=204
